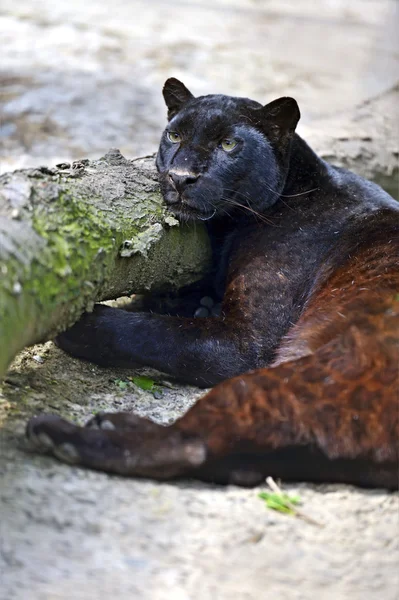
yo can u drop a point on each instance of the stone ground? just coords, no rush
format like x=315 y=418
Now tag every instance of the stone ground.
x=75 y=79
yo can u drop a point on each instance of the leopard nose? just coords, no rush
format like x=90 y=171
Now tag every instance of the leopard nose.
x=181 y=179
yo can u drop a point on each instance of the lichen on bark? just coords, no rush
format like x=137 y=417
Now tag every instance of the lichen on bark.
x=83 y=233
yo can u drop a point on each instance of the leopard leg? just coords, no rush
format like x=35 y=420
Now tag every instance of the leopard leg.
x=331 y=416
x=141 y=449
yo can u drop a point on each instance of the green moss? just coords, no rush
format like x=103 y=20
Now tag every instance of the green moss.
x=78 y=244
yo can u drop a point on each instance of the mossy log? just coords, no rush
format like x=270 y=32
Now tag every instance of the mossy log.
x=81 y=233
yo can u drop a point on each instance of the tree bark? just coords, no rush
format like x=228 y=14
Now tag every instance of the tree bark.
x=74 y=235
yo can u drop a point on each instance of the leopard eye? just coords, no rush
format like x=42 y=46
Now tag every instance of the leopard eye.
x=174 y=137
x=228 y=144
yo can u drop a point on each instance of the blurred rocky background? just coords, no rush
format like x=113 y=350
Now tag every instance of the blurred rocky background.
x=79 y=77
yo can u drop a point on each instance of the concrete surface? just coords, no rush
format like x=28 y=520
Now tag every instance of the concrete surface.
x=75 y=79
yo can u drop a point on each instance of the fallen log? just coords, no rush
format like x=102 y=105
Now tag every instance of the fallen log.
x=77 y=234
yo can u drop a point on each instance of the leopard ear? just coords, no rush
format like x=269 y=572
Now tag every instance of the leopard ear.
x=279 y=118
x=176 y=96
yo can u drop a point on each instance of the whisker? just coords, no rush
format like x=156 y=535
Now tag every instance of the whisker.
x=246 y=206
x=249 y=209
x=300 y=193
x=276 y=193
